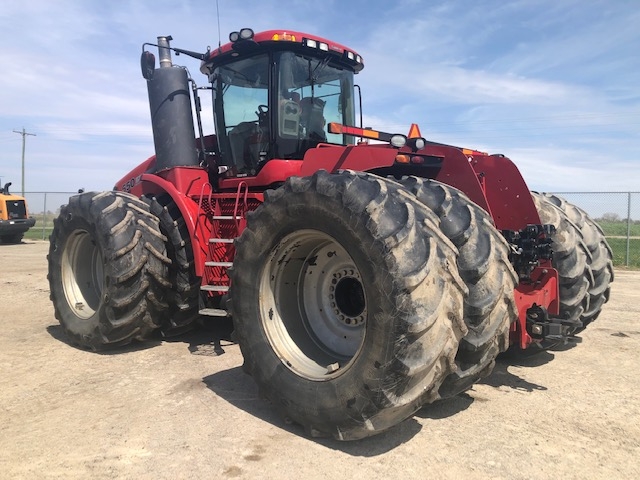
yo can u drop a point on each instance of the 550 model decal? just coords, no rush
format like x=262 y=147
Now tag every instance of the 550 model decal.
x=129 y=184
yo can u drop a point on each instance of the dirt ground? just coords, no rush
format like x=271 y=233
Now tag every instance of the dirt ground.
x=184 y=409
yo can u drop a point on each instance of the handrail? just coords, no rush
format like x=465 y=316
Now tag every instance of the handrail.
x=241 y=185
x=195 y=232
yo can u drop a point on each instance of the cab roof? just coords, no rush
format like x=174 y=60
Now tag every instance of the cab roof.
x=246 y=42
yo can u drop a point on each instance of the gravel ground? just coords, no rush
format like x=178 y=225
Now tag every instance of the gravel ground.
x=184 y=409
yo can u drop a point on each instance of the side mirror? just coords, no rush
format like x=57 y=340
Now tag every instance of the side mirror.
x=148 y=65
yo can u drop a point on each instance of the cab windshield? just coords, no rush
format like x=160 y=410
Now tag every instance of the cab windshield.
x=264 y=112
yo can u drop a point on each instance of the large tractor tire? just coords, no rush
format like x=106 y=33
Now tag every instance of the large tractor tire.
x=347 y=303
x=182 y=295
x=483 y=263
x=570 y=258
x=107 y=269
x=586 y=276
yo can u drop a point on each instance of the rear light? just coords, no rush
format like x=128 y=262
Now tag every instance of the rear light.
x=402 y=158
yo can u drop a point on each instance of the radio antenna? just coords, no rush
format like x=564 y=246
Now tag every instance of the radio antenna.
x=218 y=12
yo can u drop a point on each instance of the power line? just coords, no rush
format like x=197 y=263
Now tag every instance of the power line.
x=24 y=136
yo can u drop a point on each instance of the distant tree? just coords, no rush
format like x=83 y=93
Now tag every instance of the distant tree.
x=611 y=217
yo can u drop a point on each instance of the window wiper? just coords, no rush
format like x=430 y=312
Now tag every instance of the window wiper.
x=315 y=74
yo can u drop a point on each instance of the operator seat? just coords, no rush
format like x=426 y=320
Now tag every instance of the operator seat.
x=312 y=118
x=239 y=141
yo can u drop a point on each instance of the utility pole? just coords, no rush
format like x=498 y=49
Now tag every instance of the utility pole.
x=24 y=135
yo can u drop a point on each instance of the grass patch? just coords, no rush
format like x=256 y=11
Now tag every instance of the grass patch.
x=619 y=248
x=36 y=233
x=619 y=228
x=43 y=227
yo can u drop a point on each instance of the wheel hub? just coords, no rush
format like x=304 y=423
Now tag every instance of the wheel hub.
x=82 y=274
x=347 y=298
x=313 y=305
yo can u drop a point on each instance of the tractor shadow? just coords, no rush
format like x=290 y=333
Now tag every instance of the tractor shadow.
x=238 y=388
x=206 y=338
x=502 y=377
x=201 y=340
x=57 y=333
x=446 y=408
x=499 y=377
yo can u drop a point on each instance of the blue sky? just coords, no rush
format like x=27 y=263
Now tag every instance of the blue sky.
x=554 y=85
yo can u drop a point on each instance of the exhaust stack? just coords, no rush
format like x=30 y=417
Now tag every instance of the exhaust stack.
x=171 y=114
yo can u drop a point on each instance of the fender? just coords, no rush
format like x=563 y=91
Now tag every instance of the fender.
x=131 y=179
x=352 y=157
x=455 y=171
x=152 y=184
x=507 y=193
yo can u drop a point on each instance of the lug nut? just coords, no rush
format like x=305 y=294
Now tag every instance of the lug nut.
x=333 y=367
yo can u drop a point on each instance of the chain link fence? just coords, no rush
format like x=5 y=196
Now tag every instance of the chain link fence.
x=44 y=206
x=618 y=213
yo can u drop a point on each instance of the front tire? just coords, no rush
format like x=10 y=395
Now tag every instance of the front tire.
x=346 y=302
x=107 y=265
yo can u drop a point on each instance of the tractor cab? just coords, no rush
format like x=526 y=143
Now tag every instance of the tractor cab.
x=274 y=93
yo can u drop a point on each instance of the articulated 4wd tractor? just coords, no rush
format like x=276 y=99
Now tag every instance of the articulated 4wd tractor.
x=367 y=274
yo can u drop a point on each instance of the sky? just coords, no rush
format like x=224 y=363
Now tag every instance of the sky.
x=552 y=84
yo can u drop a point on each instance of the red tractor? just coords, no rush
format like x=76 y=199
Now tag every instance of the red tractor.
x=366 y=273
